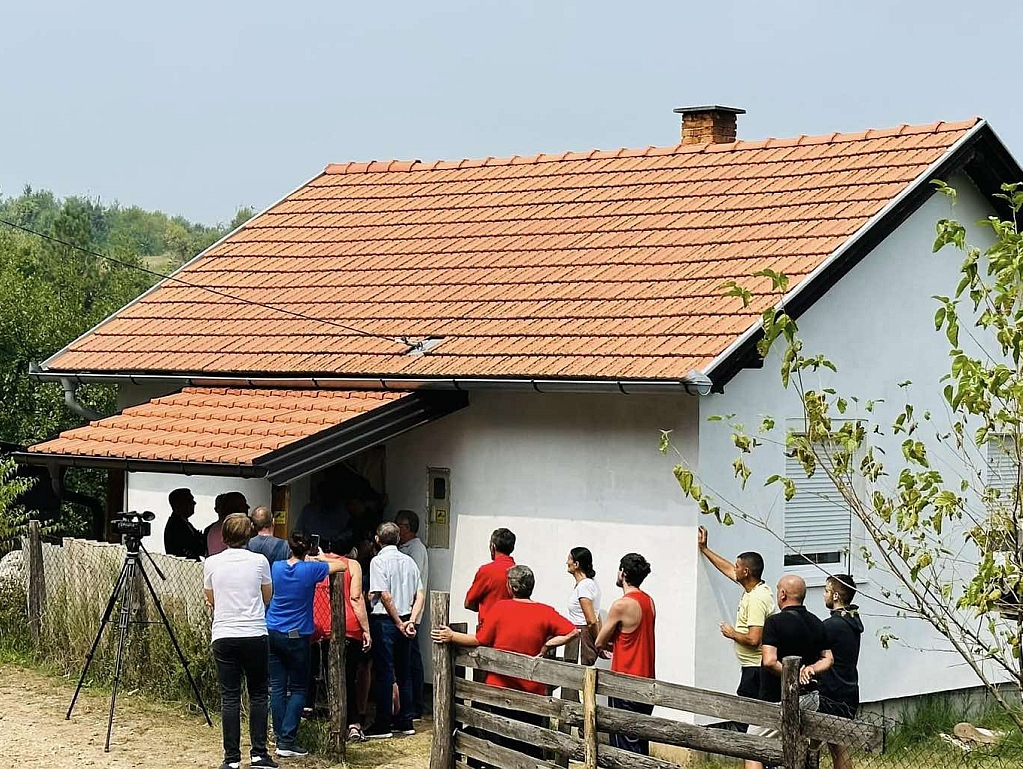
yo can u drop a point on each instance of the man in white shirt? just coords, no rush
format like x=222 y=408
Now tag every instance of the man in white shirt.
x=411 y=545
x=397 y=600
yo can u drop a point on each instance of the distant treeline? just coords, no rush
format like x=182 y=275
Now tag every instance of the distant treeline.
x=50 y=294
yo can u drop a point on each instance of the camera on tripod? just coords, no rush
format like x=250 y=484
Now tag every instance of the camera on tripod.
x=133 y=525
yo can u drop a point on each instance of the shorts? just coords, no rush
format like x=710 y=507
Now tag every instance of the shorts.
x=749 y=682
x=844 y=707
x=808 y=702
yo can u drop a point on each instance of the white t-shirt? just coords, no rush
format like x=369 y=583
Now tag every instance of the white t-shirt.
x=236 y=577
x=587 y=588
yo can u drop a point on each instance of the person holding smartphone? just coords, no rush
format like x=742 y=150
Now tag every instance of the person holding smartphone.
x=289 y=622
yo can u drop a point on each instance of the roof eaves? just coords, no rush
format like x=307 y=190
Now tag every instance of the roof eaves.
x=732 y=360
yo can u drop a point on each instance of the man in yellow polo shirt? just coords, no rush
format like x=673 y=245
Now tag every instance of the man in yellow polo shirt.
x=755 y=606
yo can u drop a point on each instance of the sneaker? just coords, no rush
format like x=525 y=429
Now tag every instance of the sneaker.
x=405 y=729
x=263 y=762
x=231 y=765
x=375 y=733
x=291 y=751
x=355 y=734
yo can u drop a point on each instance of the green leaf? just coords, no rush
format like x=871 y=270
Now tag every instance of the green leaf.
x=665 y=441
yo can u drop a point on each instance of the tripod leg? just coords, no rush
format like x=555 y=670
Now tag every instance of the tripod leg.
x=123 y=624
x=177 y=648
x=99 y=633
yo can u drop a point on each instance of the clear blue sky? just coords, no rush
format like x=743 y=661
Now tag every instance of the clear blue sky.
x=197 y=108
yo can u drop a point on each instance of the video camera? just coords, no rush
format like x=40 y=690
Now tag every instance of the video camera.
x=133 y=525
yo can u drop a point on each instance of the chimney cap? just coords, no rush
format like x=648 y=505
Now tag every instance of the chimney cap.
x=709 y=108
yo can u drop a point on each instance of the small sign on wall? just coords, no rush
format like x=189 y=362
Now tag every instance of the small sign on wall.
x=280 y=504
x=438 y=532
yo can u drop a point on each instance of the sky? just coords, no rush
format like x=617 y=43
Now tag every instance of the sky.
x=199 y=108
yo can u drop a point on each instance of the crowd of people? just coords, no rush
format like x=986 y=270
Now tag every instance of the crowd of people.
x=264 y=593
x=263 y=590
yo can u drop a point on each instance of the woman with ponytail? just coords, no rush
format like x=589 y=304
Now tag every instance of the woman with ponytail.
x=584 y=604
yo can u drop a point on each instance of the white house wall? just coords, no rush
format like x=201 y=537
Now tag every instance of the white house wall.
x=877 y=325
x=562 y=471
x=148 y=491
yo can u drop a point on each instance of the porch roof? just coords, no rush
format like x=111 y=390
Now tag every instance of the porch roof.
x=280 y=434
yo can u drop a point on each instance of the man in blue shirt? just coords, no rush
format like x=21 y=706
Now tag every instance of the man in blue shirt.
x=265 y=543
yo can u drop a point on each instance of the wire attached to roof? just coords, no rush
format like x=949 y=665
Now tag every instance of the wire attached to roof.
x=217 y=292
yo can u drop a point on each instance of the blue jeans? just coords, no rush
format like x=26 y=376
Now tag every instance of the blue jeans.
x=392 y=661
x=289 y=677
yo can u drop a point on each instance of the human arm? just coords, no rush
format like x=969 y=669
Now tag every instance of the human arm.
x=770 y=659
x=475 y=594
x=266 y=586
x=808 y=672
x=335 y=565
x=418 y=607
x=209 y=597
x=722 y=564
x=610 y=628
x=561 y=631
x=586 y=604
x=358 y=602
x=445 y=635
x=752 y=639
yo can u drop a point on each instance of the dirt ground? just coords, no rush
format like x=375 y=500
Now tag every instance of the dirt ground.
x=146 y=733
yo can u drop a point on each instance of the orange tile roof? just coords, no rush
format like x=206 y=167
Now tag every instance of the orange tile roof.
x=215 y=425
x=581 y=265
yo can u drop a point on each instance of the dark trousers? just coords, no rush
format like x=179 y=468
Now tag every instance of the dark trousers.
x=354 y=656
x=624 y=741
x=392 y=662
x=417 y=678
x=289 y=679
x=235 y=657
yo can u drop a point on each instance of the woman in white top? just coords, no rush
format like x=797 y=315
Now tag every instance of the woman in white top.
x=584 y=604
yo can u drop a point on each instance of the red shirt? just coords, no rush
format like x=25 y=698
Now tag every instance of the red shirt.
x=634 y=652
x=523 y=627
x=490 y=585
x=322 y=618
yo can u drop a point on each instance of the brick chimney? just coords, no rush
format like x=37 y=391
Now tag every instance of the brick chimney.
x=708 y=124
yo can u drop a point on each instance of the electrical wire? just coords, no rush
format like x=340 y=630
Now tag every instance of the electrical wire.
x=405 y=341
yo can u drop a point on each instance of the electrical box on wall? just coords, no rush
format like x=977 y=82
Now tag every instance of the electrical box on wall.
x=438 y=533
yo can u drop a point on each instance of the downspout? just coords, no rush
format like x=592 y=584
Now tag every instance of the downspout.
x=69 y=400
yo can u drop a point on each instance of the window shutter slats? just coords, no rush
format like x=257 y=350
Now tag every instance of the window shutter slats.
x=817 y=518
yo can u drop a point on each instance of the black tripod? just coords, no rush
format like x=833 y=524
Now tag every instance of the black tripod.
x=125 y=588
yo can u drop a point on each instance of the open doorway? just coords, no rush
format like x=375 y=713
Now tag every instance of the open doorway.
x=346 y=502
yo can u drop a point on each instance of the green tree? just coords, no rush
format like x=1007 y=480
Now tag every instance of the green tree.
x=918 y=512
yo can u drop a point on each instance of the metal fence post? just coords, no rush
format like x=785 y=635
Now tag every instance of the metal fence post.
x=337 y=695
x=792 y=740
x=442 y=754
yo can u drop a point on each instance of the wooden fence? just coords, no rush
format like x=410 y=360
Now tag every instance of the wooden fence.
x=476 y=722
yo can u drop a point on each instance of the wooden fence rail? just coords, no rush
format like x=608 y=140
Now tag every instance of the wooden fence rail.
x=489 y=715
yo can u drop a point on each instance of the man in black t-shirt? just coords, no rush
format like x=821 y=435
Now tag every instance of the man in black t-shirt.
x=793 y=631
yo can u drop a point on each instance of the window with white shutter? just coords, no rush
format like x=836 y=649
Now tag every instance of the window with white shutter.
x=818 y=520
x=1002 y=471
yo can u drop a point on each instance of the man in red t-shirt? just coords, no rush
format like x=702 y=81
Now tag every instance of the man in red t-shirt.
x=491 y=582
x=517 y=625
x=629 y=629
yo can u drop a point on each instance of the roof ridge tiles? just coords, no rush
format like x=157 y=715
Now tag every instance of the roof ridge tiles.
x=836 y=137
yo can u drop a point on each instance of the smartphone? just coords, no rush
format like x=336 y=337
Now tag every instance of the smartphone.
x=314 y=540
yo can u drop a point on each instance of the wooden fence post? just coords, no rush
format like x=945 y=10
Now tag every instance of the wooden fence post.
x=337 y=695
x=590 y=718
x=792 y=741
x=442 y=754
x=32 y=553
